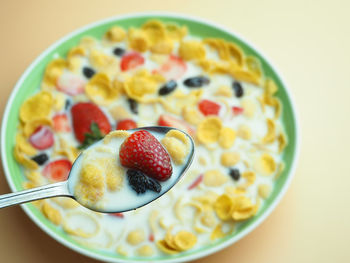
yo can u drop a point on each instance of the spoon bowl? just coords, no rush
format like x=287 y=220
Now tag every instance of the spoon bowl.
x=66 y=188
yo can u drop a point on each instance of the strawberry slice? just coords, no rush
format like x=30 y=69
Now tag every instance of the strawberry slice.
x=126 y=124
x=196 y=182
x=208 y=107
x=237 y=110
x=120 y=215
x=174 y=68
x=131 y=61
x=61 y=123
x=42 y=138
x=57 y=170
x=71 y=84
x=88 y=118
x=170 y=121
x=143 y=152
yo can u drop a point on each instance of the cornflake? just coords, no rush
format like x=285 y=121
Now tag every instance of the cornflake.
x=209 y=130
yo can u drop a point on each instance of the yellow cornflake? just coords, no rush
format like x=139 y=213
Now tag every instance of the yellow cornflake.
x=191 y=50
x=280 y=169
x=155 y=31
x=100 y=89
x=121 y=250
x=22 y=159
x=192 y=115
x=31 y=125
x=53 y=71
x=164 y=47
x=119 y=113
x=66 y=203
x=163 y=246
x=282 y=142
x=36 y=107
x=253 y=65
x=244 y=132
x=229 y=159
x=243 y=208
x=88 y=43
x=249 y=176
x=114 y=174
x=177 y=144
x=246 y=76
x=138 y=40
x=208 y=219
x=227 y=137
x=264 y=191
x=24 y=146
x=59 y=101
x=145 y=250
x=224 y=90
x=135 y=237
x=266 y=164
x=78 y=231
x=214 y=178
x=174 y=32
x=223 y=207
x=184 y=240
x=116 y=34
x=51 y=213
x=76 y=51
x=115 y=134
x=100 y=60
x=209 y=130
x=271 y=131
x=34 y=177
x=217 y=232
x=249 y=108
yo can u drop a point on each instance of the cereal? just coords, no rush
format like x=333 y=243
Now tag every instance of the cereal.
x=53 y=71
x=249 y=108
x=271 y=131
x=214 y=178
x=115 y=134
x=217 y=232
x=249 y=176
x=78 y=230
x=36 y=107
x=227 y=137
x=24 y=146
x=266 y=164
x=51 y=213
x=208 y=219
x=32 y=125
x=138 y=40
x=116 y=34
x=190 y=50
x=209 y=130
x=264 y=191
x=177 y=145
x=192 y=115
x=223 y=207
x=136 y=237
x=145 y=250
x=184 y=240
x=229 y=159
x=225 y=91
x=282 y=142
x=244 y=132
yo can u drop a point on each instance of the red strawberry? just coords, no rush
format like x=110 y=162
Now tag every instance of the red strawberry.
x=61 y=123
x=57 y=170
x=71 y=84
x=131 y=61
x=237 y=110
x=120 y=215
x=208 y=107
x=170 y=121
x=196 y=182
x=84 y=114
x=143 y=152
x=42 y=138
x=173 y=68
x=126 y=124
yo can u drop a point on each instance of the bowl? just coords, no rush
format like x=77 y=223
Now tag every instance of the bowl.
x=30 y=80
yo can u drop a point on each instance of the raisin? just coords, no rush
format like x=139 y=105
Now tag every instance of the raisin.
x=119 y=51
x=40 y=158
x=167 y=88
x=88 y=72
x=140 y=182
x=196 y=82
x=238 y=89
x=67 y=104
x=133 y=106
x=235 y=174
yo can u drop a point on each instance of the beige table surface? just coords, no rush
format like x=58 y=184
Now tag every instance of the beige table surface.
x=309 y=41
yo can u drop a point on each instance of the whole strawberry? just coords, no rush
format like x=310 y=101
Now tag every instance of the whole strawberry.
x=142 y=151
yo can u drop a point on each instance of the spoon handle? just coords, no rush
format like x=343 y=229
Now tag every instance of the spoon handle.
x=50 y=190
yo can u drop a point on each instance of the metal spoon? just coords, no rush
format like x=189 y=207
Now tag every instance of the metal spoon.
x=65 y=188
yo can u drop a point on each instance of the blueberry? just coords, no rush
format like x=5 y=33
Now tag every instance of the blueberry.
x=133 y=106
x=140 y=183
x=196 y=82
x=238 y=89
x=40 y=158
x=235 y=174
x=167 y=88
x=119 y=51
x=88 y=72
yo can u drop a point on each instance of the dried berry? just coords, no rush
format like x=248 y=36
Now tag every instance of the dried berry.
x=238 y=89
x=140 y=182
x=67 y=104
x=133 y=106
x=88 y=72
x=118 y=51
x=40 y=158
x=167 y=88
x=235 y=174
x=196 y=82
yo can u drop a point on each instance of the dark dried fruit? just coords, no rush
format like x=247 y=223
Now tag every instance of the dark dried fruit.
x=67 y=105
x=235 y=174
x=238 y=89
x=140 y=182
x=40 y=158
x=88 y=72
x=167 y=88
x=133 y=106
x=196 y=82
x=118 y=51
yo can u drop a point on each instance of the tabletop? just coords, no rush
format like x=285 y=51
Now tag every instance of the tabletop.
x=308 y=41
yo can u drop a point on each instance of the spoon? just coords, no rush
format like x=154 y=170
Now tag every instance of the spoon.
x=66 y=188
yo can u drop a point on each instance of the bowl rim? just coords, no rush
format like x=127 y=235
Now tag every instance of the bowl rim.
x=151 y=14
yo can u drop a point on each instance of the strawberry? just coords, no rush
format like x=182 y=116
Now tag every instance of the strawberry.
x=173 y=68
x=120 y=215
x=237 y=110
x=143 y=152
x=196 y=182
x=71 y=84
x=126 y=124
x=57 y=170
x=42 y=138
x=208 y=107
x=61 y=123
x=170 y=121
x=89 y=123
x=131 y=61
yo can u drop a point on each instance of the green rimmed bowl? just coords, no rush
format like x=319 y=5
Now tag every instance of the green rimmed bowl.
x=30 y=81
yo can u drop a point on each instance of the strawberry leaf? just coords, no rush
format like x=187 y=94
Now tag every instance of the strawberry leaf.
x=91 y=137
